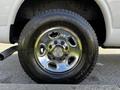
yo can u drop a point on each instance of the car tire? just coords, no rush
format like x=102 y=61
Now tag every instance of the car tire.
x=66 y=23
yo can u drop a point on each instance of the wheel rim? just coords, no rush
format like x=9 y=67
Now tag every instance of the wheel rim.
x=58 y=50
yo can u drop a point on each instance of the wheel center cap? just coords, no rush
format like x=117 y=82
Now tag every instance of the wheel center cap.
x=58 y=52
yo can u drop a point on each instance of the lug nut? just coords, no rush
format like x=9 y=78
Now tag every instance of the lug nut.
x=55 y=42
x=62 y=42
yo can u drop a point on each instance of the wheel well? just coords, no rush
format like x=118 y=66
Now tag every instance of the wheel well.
x=86 y=8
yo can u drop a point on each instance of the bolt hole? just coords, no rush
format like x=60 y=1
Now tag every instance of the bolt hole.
x=71 y=41
x=53 y=34
x=71 y=60
x=52 y=65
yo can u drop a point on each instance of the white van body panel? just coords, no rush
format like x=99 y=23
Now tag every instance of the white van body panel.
x=8 y=12
x=111 y=13
x=109 y=8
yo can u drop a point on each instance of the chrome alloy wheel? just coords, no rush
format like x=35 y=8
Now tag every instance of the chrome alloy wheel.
x=58 y=50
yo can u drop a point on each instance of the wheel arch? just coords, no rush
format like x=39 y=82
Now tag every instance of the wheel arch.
x=100 y=3
x=18 y=4
x=107 y=18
